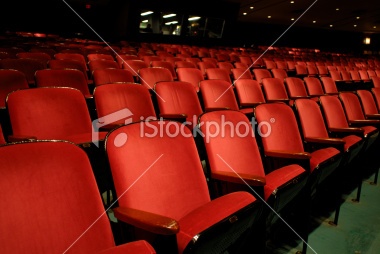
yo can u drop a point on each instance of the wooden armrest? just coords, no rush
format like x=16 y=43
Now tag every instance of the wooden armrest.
x=148 y=221
x=365 y=122
x=288 y=154
x=373 y=116
x=347 y=130
x=174 y=116
x=332 y=141
x=215 y=109
x=232 y=177
x=12 y=138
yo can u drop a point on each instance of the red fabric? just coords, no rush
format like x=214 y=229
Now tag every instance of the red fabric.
x=102 y=64
x=274 y=89
x=191 y=75
x=205 y=65
x=376 y=81
x=368 y=129
x=49 y=113
x=218 y=94
x=150 y=76
x=241 y=74
x=137 y=247
x=296 y=87
x=158 y=174
x=350 y=141
x=179 y=98
x=368 y=102
x=352 y=106
x=63 y=78
x=51 y=190
x=2 y=140
x=284 y=134
x=237 y=152
x=311 y=119
x=166 y=65
x=11 y=80
x=313 y=86
x=321 y=155
x=26 y=66
x=217 y=73
x=69 y=64
x=95 y=56
x=260 y=74
x=134 y=66
x=279 y=73
x=333 y=111
x=109 y=76
x=329 y=83
x=249 y=91
x=114 y=97
x=280 y=177
x=207 y=215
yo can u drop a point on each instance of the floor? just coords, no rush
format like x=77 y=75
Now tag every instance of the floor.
x=358 y=229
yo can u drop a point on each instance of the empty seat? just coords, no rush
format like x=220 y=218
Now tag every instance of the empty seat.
x=63 y=78
x=68 y=64
x=296 y=88
x=11 y=80
x=109 y=76
x=217 y=73
x=99 y=64
x=205 y=65
x=59 y=178
x=150 y=76
x=191 y=75
x=26 y=66
x=185 y=64
x=173 y=189
x=322 y=70
x=2 y=139
x=239 y=73
x=166 y=65
x=249 y=93
x=71 y=56
x=314 y=86
x=148 y=59
x=225 y=65
x=279 y=73
x=261 y=74
x=368 y=102
x=96 y=56
x=274 y=90
x=119 y=98
x=376 y=81
x=39 y=56
x=134 y=66
x=329 y=86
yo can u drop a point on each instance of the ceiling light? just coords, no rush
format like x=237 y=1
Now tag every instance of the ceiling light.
x=193 y=18
x=145 y=21
x=171 y=22
x=331 y=25
x=292 y=2
x=169 y=15
x=146 y=13
x=251 y=7
x=269 y=17
x=244 y=13
x=355 y=25
x=357 y=17
x=337 y=9
x=367 y=40
x=292 y=19
x=314 y=21
x=374 y=27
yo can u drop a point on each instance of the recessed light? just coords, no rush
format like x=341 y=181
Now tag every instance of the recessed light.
x=292 y=2
x=374 y=27
x=146 y=13
x=331 y=25
x=244 y=13
x=251 y=7
x=355 y=25
x=193 y=18
x=314 y=21
x=145 y=21
x=337 y=9
x=169 y=15
x=357 y=17
x=292 y=19
x=269 y=17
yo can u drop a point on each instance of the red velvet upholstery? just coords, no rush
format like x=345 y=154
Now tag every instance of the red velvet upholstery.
x=50 y=113
x=109 y=76
x=240 y=65
x=11 y=80
x=71 y=56
x=239 y=73
x=26 y=66
x=111 y=98
x=364 y=75
x=150 y=76
x=218 y=94
x=301 y=70
x=329 y=85
x=179 y=98
x=166 y=65
x=333 y=112
x=217 y=73
x=185 y=64
x=274 y=89
x=281 y=65
x=354 y=75
x=322 y=70
x=345 y=75
x=2 y=140
x=279 y=73
x=191 y=75
x=368 y=102
x=134 y=66
x=102 y=64
x=205 y=65
x=69 y=64
x=141 y=247
x=261 y=74
x=226 y=66
x=95 y=56
x=168 y=180
x=376 y=81
x=121 y=58
x=63 y=78
x=296 y=87
x=335 y=75
x=312 y=70
x=56 y=207
x=314 y=86
x=352 y=106
x=39 y=56
x=148 y=59
x=249 y=92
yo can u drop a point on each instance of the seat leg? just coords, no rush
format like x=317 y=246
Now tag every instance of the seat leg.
x=376 y=176
x=358 y=193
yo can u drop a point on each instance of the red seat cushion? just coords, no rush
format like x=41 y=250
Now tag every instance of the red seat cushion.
x=137 y=247
x=279 y=177
x=321 y=155
x=369 y=130
x=209 y=214
x=86 y=137
x=350 y=141
x=246 y=110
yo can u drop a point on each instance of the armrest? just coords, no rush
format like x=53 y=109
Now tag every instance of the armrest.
x=288 y=154
x=179 y=117
x=373 y=116
x=215 y=109
x=347 y=130
x=365 y=122
x=232 y=177
x=250 y=105
x=148 y=221
x=331 y=141
x=12 y=138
